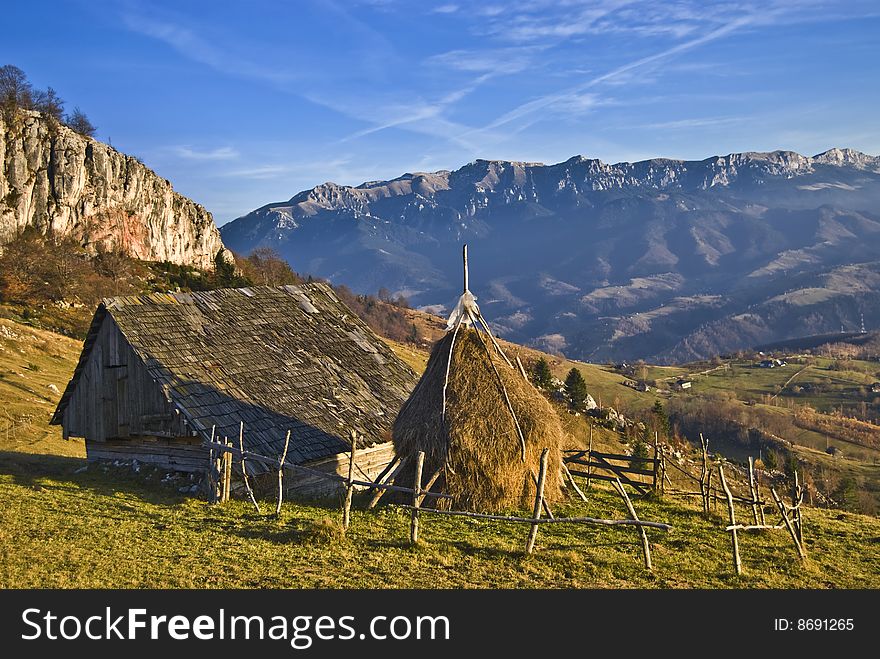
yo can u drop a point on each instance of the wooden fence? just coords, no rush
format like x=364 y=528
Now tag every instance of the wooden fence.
x=614 y=467
x=222 y=453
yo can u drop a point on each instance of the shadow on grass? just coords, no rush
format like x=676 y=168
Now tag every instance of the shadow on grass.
x=54 y=472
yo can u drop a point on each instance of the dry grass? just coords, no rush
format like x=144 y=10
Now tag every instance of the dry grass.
x=478 y=436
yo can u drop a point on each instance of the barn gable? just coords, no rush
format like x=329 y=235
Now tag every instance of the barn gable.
x=170 y=367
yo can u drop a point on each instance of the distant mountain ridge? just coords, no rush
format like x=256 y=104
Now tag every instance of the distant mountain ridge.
x=661 y=259
x=63 y=183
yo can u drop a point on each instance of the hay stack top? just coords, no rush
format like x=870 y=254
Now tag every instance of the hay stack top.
x=276 y=358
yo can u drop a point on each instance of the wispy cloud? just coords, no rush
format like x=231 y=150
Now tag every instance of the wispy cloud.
x=495 y=61
x=192 y=45
x=565 y=96
x=187 y=152
x=445 y=9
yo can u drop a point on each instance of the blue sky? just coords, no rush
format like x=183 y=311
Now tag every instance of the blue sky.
x=242 y=104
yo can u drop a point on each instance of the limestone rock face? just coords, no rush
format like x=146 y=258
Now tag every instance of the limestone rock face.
x=65 y=184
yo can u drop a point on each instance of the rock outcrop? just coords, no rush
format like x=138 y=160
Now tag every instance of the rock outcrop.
x=65 y=184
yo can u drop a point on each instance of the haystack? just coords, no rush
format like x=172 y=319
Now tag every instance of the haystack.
x=465 y=426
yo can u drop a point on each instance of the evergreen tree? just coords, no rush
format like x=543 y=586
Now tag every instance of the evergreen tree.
x=541 y=374
x=661 y=420
x=576 y=389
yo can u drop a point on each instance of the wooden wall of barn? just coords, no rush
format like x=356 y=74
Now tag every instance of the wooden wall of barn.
x=369 y=464
x=123 y=413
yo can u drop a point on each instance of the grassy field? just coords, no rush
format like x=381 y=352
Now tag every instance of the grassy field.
x=60 y=528
x=61 y=525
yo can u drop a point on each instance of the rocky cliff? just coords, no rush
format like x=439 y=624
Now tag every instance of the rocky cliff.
x=65 y=184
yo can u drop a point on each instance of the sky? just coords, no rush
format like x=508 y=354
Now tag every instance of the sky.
x=241 y=104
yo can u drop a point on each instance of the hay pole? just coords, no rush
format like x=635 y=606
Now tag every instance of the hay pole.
x=539 y=499
x=573 y=484
x=733 y=525
x=646 y=547
x=349 y=486
x=494 y=341
x=417 y=490
x=753 y=489
x=522 y=370
x=244 y=474
x=522 y=439
x=281 y=474
x=448 y=367
x=788 y=525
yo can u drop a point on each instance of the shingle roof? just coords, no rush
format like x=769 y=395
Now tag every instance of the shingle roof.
x=277 y=358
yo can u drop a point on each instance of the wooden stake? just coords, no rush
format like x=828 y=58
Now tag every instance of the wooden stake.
x=797 y=497
x=380 y=492
x=244 y=474
x=227 y=474
x=753 y=488
x=539 y=500
x=281 y=474
x=733 y=538
x=349 y=487
x=705 y=474
x=573 y=484
x=788 y=525
x=429 y=485
x=657 y=483
x=590 y=456
x=417 y=490
x=646 y=547
x=212 y=487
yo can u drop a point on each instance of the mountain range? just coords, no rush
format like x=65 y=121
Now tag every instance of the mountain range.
x=666 y=260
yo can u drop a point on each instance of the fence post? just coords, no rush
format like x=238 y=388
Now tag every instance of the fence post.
x=753 y=488
x=349 y=488
x=212 y=487
x=417 y=487
x=797 y=495
x=589 y=456
x=788 y=525
x=657 y=484
x=734 y=540
x=705 y=474
x=539 y=500
x=227 y=473
x=244 y=474
x=281 y=474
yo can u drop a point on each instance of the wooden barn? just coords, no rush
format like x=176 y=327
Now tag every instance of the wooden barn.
x=158 y=372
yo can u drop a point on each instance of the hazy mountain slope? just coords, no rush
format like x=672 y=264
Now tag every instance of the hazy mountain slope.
x=65 y=184
x=662 y=259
